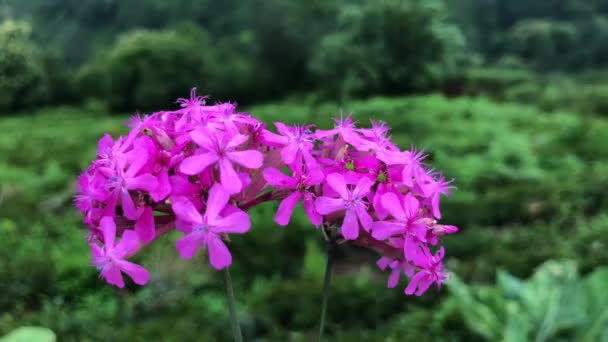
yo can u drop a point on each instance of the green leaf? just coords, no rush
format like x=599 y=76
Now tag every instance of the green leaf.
x=29 y=334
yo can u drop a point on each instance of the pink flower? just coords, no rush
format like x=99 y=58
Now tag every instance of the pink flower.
x=300 y=183
x=407 y=223
x=396 y=267
x=125 y=178
x=431 y=271
x=206 y=229
x=433 y=189
x=352 y=200
x=296 y=143
x=221 y=149
x=110 y=259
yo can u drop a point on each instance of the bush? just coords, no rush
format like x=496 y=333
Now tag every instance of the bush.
x=23 y=79
x=145 y=70
x=388 y=46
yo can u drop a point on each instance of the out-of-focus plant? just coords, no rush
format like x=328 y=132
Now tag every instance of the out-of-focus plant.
x=23 y=78
x=554 y=303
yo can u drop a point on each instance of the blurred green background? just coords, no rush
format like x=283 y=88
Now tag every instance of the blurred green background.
x=510 y=97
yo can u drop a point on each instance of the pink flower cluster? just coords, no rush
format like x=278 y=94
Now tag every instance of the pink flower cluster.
x=199 y=169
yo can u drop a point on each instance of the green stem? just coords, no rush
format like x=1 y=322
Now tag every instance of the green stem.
x=326 y=285
x=234 y=320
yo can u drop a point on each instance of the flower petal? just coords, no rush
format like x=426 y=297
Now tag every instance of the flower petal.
x=145 y=182
x=278 y=179
x=286 y=208
x=237 y=222
x=392 y=203
x=217 y=200
x=382 y=230
x=228 y=177
x=138 y=273
x=311 y=212
x=350 y=226
x=336 y=182
x=189 y=244
x=327 y=205
x=197 y=163
x=185 y=210
x=250 y=159
x=203 y=139
x=129 y=242
x=144 y=227
x=108 y=227
x=111 y=274
x=127 y=204
x=362 y=187
x=364 y=218
x=219 y=255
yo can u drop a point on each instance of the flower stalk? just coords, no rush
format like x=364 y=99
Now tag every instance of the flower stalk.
x=234 y=320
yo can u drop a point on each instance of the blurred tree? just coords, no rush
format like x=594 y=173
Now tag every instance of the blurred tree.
x=388 y=46
x=23 y=80
x=148 y=69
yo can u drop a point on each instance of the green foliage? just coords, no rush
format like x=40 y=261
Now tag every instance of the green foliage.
x=146 y=70
x=26 y=334
x=371 y=50
x=555 y=303
x=23 y=79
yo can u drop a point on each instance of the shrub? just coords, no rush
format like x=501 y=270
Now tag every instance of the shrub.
x=23 y=78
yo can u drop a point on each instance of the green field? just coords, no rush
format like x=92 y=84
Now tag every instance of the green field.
x=531 y=188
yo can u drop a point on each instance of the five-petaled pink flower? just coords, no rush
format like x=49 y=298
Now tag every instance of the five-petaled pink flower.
x=221 y=148
x=407 y=223
x=351 y=200
x=206 y=229
x=300 y=183
x=111 y=259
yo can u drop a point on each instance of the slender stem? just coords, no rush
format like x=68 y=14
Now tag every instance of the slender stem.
x=234 y=321
x=326 y=284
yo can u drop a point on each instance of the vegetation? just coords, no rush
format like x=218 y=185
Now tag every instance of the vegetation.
x=507 y=97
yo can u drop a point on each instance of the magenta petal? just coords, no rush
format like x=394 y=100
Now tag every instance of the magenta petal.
x=274 y=139
x=364 y=218
x=328 y=205
x=277 y=179
x=362 y=187
x=424 y=285
x=289 y=153
x=411 y=287
x=163 y=187
x=382 y=230
x=198 y=163
x=250 y=159
x=111 y=274
x=219 y=256
x=188 y=245
x=392 y=203
x=350 y=227
x=228 y=177
x=435 y=206
x=218 y=198
x=393 y=278
x=411 y=205
x=145 y=182
x=336 y=182
x=286 y=208
x=202 y=138
x=127 y=205
x=108 y=227
x=237 y=140
x=311 y=212
x=129 y=242
x=237 y=222
x=138 y=273
x=144 y=227
x=383 y=262
x=137 y=160
x=185 y=210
